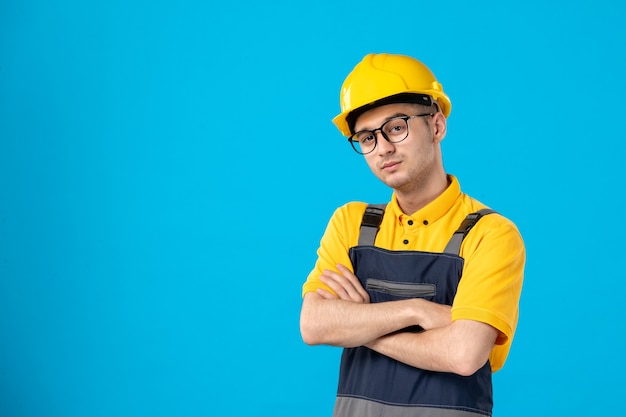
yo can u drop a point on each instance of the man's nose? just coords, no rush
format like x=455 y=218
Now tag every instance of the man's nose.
x=383 y=145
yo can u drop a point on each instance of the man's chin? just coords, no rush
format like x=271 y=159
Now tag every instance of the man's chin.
x=393 y=181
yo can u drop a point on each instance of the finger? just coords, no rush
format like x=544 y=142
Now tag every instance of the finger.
x=340 y=285
x=326 y=294
x=336 y=283
x=351 y=285
x=354 y=280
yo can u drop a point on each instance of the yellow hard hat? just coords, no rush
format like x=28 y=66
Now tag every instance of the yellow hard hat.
x=380 y=76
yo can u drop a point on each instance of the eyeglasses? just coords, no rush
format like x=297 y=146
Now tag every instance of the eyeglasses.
x=393 y=130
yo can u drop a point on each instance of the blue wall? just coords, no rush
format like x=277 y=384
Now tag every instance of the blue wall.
x=167 y=169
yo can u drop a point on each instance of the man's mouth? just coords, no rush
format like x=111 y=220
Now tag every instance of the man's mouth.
x=390 y=165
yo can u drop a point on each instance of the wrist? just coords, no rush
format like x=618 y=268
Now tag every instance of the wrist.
x=415 y=311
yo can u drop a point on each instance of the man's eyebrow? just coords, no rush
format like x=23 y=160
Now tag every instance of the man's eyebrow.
x=386 y=120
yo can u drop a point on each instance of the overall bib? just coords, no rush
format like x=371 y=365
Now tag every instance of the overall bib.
x=371 y=384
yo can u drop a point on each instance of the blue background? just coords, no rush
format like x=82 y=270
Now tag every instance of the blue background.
x=167 y=170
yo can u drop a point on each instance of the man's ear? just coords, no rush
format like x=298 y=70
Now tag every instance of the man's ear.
x=439 y=126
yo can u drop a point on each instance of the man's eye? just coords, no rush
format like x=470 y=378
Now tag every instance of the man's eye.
x=395 y=128
x=366 y=138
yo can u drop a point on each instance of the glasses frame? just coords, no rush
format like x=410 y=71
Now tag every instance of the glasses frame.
x=352 y=137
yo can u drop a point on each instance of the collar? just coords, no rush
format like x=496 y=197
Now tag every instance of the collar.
x=436 y=208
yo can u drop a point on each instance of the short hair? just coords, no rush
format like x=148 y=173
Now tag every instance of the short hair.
x=423 y=100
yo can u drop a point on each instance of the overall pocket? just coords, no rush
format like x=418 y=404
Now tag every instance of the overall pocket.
x=401 y=289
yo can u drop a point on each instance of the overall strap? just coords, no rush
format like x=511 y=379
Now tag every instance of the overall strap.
x=370 y=224
x=454 y=245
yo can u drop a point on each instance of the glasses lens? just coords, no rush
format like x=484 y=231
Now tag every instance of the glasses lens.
x=396 y=130
x=364 y=141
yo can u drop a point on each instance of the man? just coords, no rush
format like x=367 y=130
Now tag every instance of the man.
x=422 y=294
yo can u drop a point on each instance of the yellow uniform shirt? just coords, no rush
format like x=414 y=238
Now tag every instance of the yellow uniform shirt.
x=493 y=251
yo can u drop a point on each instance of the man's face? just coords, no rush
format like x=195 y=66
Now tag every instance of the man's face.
x=408 y=164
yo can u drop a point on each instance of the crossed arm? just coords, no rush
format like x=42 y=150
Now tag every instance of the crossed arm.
x=348 y=319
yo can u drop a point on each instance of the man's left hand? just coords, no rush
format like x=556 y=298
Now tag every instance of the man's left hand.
x=345 y=284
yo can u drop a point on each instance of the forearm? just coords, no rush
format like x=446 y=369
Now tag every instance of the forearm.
x=344 y=323
x=461 y=347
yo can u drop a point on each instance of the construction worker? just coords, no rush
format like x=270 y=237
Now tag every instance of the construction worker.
x=422 y=292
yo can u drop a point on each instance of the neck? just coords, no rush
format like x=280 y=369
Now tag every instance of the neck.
x=412 y=199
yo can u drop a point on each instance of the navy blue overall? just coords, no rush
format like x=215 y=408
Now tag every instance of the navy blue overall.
x=371 y=384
